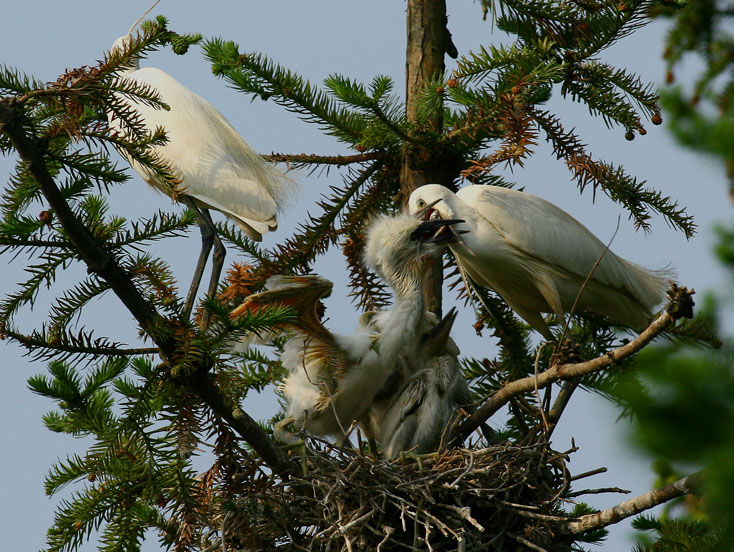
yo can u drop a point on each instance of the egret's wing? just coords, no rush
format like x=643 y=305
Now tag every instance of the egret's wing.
x=412 y=396
x=217 y=166
x=540 y=230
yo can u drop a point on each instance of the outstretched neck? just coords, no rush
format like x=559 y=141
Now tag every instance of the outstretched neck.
x=403 y=323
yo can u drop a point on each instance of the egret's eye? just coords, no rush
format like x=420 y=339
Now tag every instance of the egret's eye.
x=421 y=203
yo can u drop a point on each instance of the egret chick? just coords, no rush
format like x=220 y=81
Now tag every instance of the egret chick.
x=536 y=256
x=217 y=168
x=332 y=379
x=417 y=414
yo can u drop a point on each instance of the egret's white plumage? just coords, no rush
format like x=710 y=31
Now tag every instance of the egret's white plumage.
x=536 y=256
x=216 y=168
x=332 y=380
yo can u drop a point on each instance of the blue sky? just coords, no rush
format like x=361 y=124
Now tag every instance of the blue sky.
x=359 y=40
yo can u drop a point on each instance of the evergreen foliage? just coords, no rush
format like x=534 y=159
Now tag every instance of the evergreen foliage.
x=688 y=418
x=702 y=114
x=147 y=408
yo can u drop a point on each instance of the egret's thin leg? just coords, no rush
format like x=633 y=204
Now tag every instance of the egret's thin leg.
x=217 y=264
x=217 y=257
x=207 y=241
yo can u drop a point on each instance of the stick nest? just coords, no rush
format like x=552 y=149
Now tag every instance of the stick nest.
x=505 y=497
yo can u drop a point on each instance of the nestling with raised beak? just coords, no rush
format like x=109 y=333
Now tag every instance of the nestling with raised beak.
x=332 y=380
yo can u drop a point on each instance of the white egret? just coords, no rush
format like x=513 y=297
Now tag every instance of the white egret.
x=536 y=256
x=414 y=413
x=217 y=168
x=333 y=379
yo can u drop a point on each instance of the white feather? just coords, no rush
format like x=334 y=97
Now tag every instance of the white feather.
x=218 y=168
x=536 y=256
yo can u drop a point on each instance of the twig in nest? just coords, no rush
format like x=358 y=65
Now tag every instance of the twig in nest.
x=597 y=491
x=526 y=542
x=388 y=531
x=343 y=529
x=465 y=513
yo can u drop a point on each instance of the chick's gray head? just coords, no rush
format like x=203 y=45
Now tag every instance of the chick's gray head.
x=398 y=247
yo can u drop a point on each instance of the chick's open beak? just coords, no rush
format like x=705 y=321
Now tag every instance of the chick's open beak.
x=436 y=231
x=436 y=338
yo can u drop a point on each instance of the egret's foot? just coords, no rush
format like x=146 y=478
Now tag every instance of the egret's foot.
x=292 y=442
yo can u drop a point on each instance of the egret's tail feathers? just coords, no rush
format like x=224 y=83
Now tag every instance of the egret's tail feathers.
x=252 y=166
x=253 y=229
x=649 y=285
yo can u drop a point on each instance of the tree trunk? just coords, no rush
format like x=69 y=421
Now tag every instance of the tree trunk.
x=427 y=37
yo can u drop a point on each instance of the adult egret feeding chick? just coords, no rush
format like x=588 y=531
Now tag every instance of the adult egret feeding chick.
x=217 y=168
x=332 y=379
x=536 y=256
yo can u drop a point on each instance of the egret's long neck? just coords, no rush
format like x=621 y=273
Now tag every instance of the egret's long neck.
x=118 y=47
x=131 y=68
x=405 y=318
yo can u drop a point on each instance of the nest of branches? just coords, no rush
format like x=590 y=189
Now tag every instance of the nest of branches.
x=504 y=497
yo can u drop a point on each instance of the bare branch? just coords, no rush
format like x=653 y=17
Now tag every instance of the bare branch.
x=597 y=491
x=635 y=505
x=588 y=474
x=570 y=371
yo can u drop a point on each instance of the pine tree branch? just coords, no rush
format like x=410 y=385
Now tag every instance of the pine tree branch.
x=8 y=241
x=338 y=160
x=97 y=259
x=106 y=266
x=558 y=372
x=203 y=386
x=687 y=485
x=36 y=341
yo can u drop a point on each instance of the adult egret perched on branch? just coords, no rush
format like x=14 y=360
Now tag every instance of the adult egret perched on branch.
x=332 y=379
x=536 y=256
x=217 y=168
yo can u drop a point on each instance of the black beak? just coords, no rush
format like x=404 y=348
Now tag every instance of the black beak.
x=436 y=231
x=437 y=337
x=425 y=213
